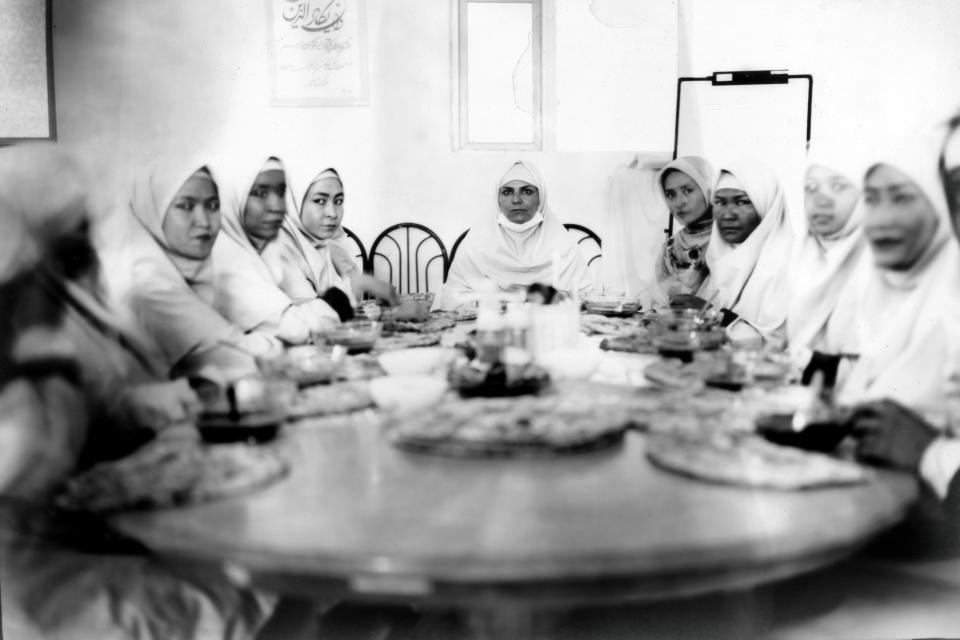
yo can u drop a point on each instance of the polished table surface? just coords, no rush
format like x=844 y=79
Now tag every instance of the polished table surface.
x=605 y=524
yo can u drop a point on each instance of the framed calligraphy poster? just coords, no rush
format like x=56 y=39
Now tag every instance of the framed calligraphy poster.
x=318 y=52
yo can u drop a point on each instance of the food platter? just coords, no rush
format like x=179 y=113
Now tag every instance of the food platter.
x=523 y=427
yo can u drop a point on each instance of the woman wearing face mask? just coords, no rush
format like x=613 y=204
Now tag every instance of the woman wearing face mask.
x=257 y=287
x=522 y=245
x=748 y=255
x=172 y=290
x=821 y=322
x=681 y=268
x=310 y=237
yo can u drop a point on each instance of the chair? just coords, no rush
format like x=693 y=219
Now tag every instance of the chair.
x=411 y=257
x=589 y=242
x=453 y=253
x=360 y=252
x=590 y=247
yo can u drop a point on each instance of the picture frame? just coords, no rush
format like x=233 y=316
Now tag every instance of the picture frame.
x=26 y=73
x=318 y=52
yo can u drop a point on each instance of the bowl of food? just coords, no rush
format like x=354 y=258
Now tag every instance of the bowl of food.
x=421 y=360
x=407 y=393
x=682 y=344
x=412 y=307
x=686 y=319
x=305 y=364
x=358 y=336
x=781 y=428
x=249 y=408
x=610 y=304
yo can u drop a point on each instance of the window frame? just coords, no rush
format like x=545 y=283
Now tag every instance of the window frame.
x=460 y=110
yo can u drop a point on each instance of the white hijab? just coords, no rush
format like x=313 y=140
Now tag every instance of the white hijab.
x=172 y=295
x=539 y=250
x=821 y=273
x=248 y=281
x=905 y=343
x=316 y=258
x=750 y=278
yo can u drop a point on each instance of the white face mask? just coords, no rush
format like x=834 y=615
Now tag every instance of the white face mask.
x=504 y=222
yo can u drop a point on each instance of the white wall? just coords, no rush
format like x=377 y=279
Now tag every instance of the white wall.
x=879 y=66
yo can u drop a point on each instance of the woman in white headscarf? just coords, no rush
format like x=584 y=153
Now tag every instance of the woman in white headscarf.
x=310 y=237
x=825 y=271
x=172 y=278
x=524 y=244
x=913 y=279
x=687 y=187
x=748 y=255
x=909 y=370
x=257 y=288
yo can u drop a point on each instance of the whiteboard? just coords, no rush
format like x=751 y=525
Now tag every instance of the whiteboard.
x=26 y=93
x=766 y=123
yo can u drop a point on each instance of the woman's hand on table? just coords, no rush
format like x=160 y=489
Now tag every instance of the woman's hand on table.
x=158 y=405
x=891 y=434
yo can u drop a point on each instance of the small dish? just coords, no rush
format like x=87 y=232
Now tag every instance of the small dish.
x=306 y=364
x=610 y=305
x=815 y=436
x=420 y=360
x=260 y=426
x=358 y=336
x=407 y=393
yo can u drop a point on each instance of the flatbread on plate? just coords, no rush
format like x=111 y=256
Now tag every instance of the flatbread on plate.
x=322 y=400
x=169 y=472
x=747 y=460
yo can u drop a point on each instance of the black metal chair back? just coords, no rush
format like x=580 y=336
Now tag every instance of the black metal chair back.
x=588 y=241
x=360 y=252
x=411 y=257
x=453 y=253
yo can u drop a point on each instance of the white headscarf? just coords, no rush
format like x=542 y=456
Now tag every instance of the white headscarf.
x=750 y=278
x=905 y=343
x=509 y=254
x=686 y=239
x=248 y=282
x=822 y=276
x=320 y=261
x=171 y=295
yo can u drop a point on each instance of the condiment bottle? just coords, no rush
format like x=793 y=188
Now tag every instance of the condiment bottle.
x=490 y=330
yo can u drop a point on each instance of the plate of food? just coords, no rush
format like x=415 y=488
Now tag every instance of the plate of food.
x=407 y=340
x=336 y=398
x=522 y=427
x=595 y=324
x=748 y=460
x=172 y=471
x=677 y=374
x=613 y=305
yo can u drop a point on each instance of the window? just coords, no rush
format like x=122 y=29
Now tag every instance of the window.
x=499 y=77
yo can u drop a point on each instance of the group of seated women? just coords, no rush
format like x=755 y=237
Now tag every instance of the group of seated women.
x=216 y=266
x=867 y=294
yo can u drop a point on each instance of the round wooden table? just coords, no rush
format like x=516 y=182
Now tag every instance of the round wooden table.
x=359 y=517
